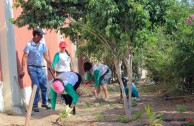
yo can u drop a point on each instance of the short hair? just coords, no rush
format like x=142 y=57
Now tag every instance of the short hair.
x=87 y=66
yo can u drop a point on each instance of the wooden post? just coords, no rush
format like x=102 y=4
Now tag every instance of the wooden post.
x=29 y=111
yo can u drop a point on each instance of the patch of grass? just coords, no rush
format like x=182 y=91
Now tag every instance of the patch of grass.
x=122 y=118
x=160 y=116
x=181 y=108
x=86 y=105
x=134 y=103
x=111 y=89
x=99 y=117
x=137 y=115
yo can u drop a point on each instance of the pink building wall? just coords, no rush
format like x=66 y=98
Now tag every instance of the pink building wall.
x=23 y=35
x=0 y=69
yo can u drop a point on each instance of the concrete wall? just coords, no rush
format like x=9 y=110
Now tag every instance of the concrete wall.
x=9 y=89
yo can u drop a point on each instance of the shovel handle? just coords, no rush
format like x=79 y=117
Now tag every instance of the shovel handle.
x=51 y=73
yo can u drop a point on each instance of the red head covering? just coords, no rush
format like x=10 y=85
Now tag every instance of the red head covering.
x=62 y=44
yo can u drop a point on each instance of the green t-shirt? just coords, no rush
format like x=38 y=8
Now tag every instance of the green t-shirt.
x=96 y=77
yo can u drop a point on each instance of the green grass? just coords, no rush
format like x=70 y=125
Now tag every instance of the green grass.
x=181 y=108
x=111 y=88
x=137 y=115
x=134 y=103
x=122 y=118
x=99 y=117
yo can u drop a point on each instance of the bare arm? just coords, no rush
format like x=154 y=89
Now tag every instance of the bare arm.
x=24 y=58
x=46 y=57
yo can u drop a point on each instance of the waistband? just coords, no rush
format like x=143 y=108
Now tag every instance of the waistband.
x=37 y=66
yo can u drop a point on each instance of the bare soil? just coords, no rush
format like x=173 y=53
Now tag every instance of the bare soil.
x=91 y=112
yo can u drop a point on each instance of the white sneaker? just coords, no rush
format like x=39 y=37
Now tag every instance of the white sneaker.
x=138 y=99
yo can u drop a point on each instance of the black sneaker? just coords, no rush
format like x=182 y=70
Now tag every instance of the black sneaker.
x=46 y=106
x=49 y=100
x=35 y=109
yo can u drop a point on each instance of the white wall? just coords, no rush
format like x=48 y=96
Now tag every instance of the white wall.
x=9 y=88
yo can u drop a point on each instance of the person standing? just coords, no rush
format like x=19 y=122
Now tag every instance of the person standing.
x=101 y=74
x=34 y=51
x=62 y=60
x=62 y=63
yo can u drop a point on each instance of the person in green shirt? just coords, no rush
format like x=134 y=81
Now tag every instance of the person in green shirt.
x=101 y=74
x=67 y=83
x=62 y=62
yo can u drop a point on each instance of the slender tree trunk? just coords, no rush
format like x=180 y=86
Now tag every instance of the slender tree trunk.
x=128 y=63
x=118 y=64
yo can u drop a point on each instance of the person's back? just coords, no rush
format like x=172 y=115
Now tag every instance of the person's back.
x=70 y=77
x=102 y=68
x=67 y=82
x=135 y=92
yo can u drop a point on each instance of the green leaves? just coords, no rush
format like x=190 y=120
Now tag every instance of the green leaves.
x=153 y=118
x=65 y=114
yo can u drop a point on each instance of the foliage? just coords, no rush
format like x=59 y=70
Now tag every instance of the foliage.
x=190 y=121
x=137 y=115
x=122 y=118
x=65 y=114
x=167 y=54
x=157 y=56
x=153 y=118
x=45 y=13
x=181 y=108
x=99 y=117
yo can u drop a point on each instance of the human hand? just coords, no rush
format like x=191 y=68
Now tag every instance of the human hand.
x=22 y=73
x=53 y=112
x=72 y=106
x=62 y=78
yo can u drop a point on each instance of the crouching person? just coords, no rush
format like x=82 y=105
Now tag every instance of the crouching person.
x=68 y=83
x=135 y=92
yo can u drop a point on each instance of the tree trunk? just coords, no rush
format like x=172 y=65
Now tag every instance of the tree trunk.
x=118 y=63
x=128 y=63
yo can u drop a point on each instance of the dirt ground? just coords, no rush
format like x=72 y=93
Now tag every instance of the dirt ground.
x=91 y=112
